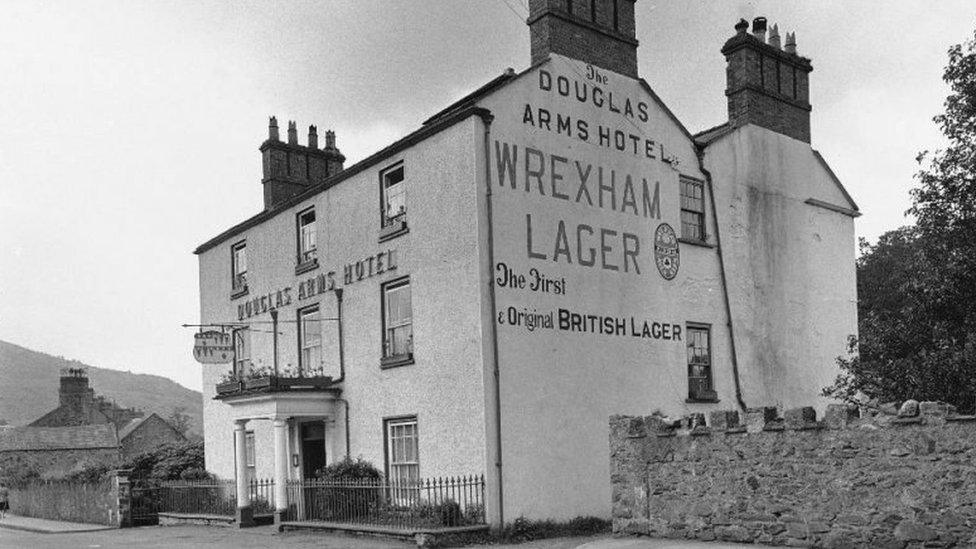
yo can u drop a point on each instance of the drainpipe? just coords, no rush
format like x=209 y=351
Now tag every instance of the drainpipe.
x=725 y=286
x=342 y=357
x=342 y=363
x=487 y=118
x=274 y=338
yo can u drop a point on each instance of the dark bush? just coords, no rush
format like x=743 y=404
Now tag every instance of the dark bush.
x=449 y=513
x=167 y=462
x=347 y=470
x=352 y=489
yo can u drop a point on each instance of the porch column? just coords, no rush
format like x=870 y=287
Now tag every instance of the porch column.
x=281 y=467
x=245 y=516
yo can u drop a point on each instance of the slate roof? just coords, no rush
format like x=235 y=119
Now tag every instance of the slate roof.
x=128 y=428
x=58 y=438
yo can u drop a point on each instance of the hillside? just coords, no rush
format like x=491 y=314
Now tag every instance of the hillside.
x=29 y=388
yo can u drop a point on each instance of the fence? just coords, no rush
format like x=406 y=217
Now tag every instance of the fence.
x=213 y=497
x=89 y=502
x=429 y=503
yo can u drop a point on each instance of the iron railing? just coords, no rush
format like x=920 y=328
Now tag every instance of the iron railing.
x=214 y=497
x=427 y=503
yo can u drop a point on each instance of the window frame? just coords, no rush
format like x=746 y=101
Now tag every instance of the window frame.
x=393 y=360
x=400 y=494
x=702 y=224
x=698 y=394
x=238 y=289
x=300 y=317
x=392 y=226
x=239 y=362
x=306 y=259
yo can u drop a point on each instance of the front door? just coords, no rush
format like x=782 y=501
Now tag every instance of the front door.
x=313 y=447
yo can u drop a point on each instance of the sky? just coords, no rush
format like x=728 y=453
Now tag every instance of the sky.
x=129 y=131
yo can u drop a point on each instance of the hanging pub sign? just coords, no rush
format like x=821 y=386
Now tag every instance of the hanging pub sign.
x=213 y=347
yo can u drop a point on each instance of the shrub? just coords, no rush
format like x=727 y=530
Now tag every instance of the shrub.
x=167 y=462
x=349 y=470
x=449 y=513
x=359 y=489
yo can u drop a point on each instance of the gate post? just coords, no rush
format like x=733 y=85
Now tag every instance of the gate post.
x=123 y=497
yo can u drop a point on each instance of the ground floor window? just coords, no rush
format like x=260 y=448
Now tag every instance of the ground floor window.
x=699 y=362
x=403 y=457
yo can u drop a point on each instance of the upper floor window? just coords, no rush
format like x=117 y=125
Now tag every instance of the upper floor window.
x=692 y=209
x=306 y=236
x=239 y=267
x=397 y=323
x=394 y=199
x=242 y=351
x=309 y=338
x=699 y=340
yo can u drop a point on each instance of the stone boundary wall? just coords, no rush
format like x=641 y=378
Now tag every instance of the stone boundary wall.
x=857 y=478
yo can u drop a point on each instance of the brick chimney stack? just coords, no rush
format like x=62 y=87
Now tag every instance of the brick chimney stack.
x=75 y=395
x=599 y=32
x=767 y=86
x=290 y=169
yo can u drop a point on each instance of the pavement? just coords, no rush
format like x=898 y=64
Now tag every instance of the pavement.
x=44 y=526
x=24 y=532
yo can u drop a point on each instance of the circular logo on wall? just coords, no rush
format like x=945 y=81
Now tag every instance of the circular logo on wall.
x=666 y=251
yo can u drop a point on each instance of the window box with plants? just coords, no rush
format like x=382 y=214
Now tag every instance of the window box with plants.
x=229 y=383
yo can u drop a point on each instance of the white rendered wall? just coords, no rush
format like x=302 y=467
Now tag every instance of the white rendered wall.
x=444 y=388
x=790 y=264
x=558 y=388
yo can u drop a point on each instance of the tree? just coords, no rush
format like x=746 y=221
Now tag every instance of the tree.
x=917 y=285
x=180 y=420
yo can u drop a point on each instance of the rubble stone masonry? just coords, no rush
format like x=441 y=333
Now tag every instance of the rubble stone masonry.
x=852 y=479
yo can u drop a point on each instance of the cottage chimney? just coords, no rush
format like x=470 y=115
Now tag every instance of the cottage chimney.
x=767 y=86
x=599 y=32
x=290 y=169
x=313 y=138
x=75 y=396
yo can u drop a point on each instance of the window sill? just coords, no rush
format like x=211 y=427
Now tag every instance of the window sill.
x=393 y=230
x=234 y=294
x=694 y=242
x=692 y=400
x=309 y=265
x=396 y=361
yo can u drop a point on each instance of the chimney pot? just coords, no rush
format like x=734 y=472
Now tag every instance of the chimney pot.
x=273 y=129
x=774 y=37
x=759 y=28
x=313 y=137
x=742 y=26
x=790 y=46
x=330 y=140
x=292 y=133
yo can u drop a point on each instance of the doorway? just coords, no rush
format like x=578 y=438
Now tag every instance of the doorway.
x=313 y=447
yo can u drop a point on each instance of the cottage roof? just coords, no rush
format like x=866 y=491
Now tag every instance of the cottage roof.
x=58 y=438
x=131 y=426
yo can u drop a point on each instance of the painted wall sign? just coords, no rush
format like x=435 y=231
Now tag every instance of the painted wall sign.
x=312 y=286
x=213 y=347
x=666 y=251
